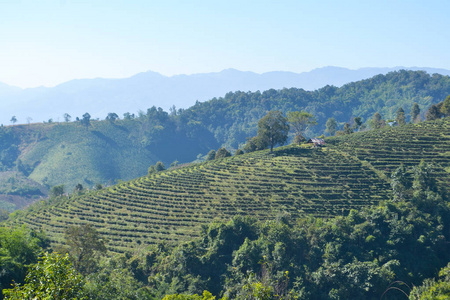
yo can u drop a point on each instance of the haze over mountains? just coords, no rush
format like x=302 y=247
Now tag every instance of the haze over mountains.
x=101 y=96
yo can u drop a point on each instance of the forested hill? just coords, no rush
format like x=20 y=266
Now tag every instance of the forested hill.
x=235 y=116
x=36 y=157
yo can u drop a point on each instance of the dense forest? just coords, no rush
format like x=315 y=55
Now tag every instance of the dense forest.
x=234 y=117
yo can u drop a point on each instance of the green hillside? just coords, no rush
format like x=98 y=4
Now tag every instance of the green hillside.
x=352 y=171
x=233 y=118
x=70 y=153
x=107 y=151
x=385 y=149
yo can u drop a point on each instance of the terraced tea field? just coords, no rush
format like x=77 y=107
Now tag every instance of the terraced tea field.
x=171 y=205
x=385 y=149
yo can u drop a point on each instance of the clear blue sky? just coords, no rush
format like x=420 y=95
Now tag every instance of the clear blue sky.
x=49 y=42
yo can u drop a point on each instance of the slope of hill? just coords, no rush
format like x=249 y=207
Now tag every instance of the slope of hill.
x=104 y=152
x=171 y=205
x=385 y=149
x=101 y=96
x=69 y=153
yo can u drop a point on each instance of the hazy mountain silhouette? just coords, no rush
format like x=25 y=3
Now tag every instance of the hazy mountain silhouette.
x=100 y=96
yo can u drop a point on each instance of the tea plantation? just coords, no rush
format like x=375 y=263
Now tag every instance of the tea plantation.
x=350 y=172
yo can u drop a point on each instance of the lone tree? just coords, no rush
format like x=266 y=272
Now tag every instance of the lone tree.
x=211 y=155
x=300 y=121
x=112 y=117
x=357 y=122
x=56 y=191
x=13 y=120
x=86 y=121
x=377 y=122
x=67 y=117
x=330 y=126
x=273 y=129
x=400 y=117
x=434 y=112
x=347 y=129
x=415 y=113
x=158 y=167
x=222 y=152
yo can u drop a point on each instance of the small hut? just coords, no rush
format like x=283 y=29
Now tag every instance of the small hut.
x=317 y=142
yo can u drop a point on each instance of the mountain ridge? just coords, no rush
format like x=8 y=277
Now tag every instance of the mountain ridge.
x=100 y=96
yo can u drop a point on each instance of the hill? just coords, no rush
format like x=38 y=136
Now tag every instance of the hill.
x=234 y=117
x=101 y=96
x=352 y=171
x=104 y=152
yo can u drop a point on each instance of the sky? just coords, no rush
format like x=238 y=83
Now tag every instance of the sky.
x=44 y=43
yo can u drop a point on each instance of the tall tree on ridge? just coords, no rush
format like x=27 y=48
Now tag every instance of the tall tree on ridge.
x=300 y=121
x=331 y=126
x=415 y=113
x=400 y=118
x=273 y=129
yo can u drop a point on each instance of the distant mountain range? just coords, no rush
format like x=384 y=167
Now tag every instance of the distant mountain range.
x=101 y=96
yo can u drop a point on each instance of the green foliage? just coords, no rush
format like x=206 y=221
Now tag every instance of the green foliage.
x=445 y=108
x=253 y=144
x=273 y=129
x=205 y=296
x=432 y=289
x=257 y=291
x=57 y=191
x=239 y=152
x=331 y=126
x=84 y=246
x=52 y=278
x=434 y=112
x=16 y=184
x=298 y=139
x=222 y=152
x=19 y=248
x=357 y=123
x=86 y=120
x=111 y=117
x=399 y=183
x=377 y=122
x=9 y=151
x=400 y=117
x=158 y=167
x=115 y=279
x=347 y=129
x=211 y=155
x=300 y=121
x=415 y=113
x=67 y=117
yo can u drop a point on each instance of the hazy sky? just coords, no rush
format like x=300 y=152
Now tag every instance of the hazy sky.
x=49 y=42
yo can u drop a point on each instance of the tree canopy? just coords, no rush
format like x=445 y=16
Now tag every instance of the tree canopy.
x=52 y=278
x=300 y=121
x=85 y=245
x=273 y=129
